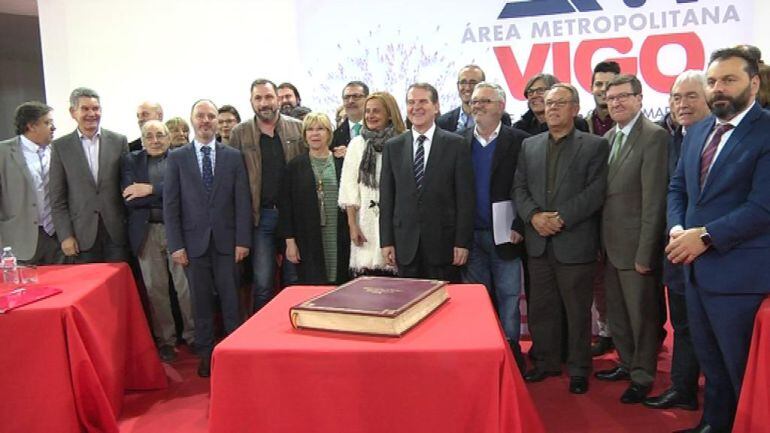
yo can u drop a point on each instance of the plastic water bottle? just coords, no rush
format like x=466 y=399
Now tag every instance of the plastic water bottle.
x=9 y=266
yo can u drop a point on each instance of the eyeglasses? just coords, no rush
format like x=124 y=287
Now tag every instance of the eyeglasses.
x=620 y=97
x=557 y=104
x=537 y=91
x=484 y=101
x=471 y=83
x=353 y=97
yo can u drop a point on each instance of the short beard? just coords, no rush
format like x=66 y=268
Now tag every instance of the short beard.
x=267 y=118
x=734 y=104
x=286 y=109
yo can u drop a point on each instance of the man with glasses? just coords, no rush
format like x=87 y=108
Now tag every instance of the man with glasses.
x=227 y=118
x=461 y=118
x=494 y=262
x=632 y=219
x=533 y=121
x=559 y=188
x=142 y=174
x=353 y=98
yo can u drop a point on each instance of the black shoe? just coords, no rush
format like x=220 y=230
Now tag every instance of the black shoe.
x=578 y=384
x=537 y=375
x=703 y=428
x=602 y=346
x=204 y=368
x=635 y=393
x=672 y=398
x=520 y=362
x=167 y=353
x=613 y=374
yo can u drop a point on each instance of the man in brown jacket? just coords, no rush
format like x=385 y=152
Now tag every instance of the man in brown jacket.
x=268 y=141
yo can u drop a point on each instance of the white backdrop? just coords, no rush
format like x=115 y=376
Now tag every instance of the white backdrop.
x=177 y=51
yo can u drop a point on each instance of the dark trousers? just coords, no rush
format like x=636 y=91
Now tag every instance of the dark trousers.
x=721 y=327
x=684 y=365
x=421 y=268
x=47 y=252
x=212 y=272
x=556 y=285
x=104 y=249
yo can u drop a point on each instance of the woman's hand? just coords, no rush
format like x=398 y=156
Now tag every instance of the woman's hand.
x=292 y=252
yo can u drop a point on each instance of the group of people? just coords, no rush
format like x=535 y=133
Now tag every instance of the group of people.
x=602 y=209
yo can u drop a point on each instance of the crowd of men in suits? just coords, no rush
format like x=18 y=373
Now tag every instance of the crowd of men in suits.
x=611 y=197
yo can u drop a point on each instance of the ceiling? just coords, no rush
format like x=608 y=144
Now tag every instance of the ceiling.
x=18 y=7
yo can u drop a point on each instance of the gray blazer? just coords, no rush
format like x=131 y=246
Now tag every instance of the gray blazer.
x=18 y=201
x=634 y=212
x=76 y=200
x=581 y=181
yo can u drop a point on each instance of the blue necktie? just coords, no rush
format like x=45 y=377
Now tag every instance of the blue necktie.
x=419 y=162
x=207 y=173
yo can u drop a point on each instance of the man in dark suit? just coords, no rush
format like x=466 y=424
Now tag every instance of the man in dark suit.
x=495 y=262
x=633 y=218
x=426 y=196
x=26 y=224
x=207 y=213
x=353 y=98
x=559 y=188
x=720 y=229
x=461 y=118
x=86 y=200
x=688 y=102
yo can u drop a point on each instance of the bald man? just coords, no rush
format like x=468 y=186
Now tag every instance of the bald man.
x=147 y=110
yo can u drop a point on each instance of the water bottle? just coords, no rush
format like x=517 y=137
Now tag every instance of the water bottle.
x=9 y=266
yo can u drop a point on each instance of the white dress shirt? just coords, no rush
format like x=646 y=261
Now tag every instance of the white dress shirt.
x=91 y=149
x=726 y=136
x=212 y=154
x=30 y=150
x=426 y=145
x=482 y=140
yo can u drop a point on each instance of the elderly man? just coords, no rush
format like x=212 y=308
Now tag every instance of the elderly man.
x=558 y=188
x=25 y=205
x=268 y=141
x=720 y=229
x=494 y=262
x=142 y=176
x=353 y=98
x=86 y=201
x=688 y=100
x=632 y=219
x=208 y=224
x=461 y=118
x=145 y=111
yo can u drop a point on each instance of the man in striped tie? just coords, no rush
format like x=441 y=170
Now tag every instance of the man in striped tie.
x=25 y=207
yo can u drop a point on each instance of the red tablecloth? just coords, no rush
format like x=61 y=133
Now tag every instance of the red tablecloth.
x=753 y=414
x=452 y=373
x=66 y=360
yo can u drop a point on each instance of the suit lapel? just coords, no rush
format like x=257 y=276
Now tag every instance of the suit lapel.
x=218 y=167
x=192 y=160
x=434 y=158
x=735 y=140
x=105 y=151
x=501 y=149
x=628 y=146
x=568 y=154
x=17 y=156
x=540 y=159
x=407 y=160
x=77 y=148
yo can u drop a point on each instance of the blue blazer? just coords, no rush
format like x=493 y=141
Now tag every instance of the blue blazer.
x=734 y=205
x=134 y=170
x=192 y=217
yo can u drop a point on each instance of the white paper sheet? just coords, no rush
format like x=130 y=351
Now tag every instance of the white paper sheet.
x=503 y=213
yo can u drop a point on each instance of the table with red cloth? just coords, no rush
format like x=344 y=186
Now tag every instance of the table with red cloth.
x=753 y=415
x=66 y=360
x=453 y=372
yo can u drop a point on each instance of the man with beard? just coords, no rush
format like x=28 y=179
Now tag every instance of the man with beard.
x=688 y=102
x=289 y=100
x=268 y=141
x=719 y=215
x=227 y=118
x=353 y=98
x=145 y=111
x=461 y=118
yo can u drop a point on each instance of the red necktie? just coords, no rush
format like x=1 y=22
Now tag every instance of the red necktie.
x=710 y=150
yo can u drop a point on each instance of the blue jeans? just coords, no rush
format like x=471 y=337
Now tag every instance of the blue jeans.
x=502 y=278
x=263 y=260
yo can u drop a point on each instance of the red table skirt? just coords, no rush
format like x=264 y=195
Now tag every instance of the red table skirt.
x=452 y=373
x=753 y=414
x=66 y=360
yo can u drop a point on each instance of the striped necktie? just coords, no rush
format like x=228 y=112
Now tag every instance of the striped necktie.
x=419 y=162
x=45 y=218
x=710 y=150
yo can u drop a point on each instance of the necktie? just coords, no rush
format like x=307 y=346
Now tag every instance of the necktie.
x=710 y=150
x=356 y=130
x=617 y=144
x=45 y=217
x=419 y=162
x=207 y=173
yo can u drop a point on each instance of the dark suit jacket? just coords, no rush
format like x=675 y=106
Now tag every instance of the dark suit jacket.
x=76 y=200
x=440 y=216
x=301 y=220
x=341 y=136
x=673 y=275
x=448 y=120
x=194 y=218
x=135 y=145
x=501 y=181
x=134 y=170
x=734 y=205
x=581 y=182
x=634 y=213
x=529 y=123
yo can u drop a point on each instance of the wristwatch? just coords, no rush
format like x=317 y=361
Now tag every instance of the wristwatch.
x=705 y=237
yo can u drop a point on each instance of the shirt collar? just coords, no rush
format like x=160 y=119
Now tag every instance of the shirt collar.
x=735 y=121
x=98 y=134
x=627 y=129
x=199 y=145
x=30 y=145
x=494 y=134
x=428 y=134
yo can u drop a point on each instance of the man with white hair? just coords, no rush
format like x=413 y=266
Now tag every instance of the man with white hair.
x=146 y=111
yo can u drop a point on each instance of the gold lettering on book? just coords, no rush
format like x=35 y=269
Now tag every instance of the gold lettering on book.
x=380 y=290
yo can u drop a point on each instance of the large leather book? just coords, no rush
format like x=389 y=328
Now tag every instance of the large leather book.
x=371 y=305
